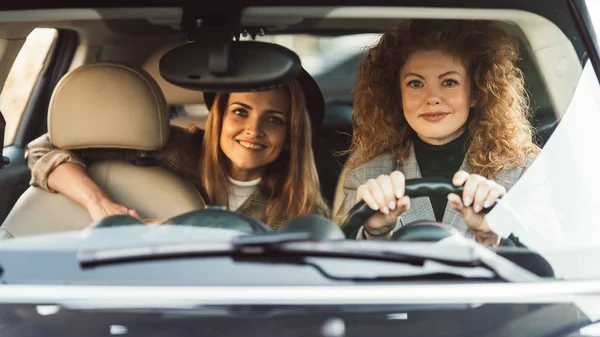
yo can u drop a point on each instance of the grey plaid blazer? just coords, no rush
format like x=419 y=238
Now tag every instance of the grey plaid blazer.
x=420 y=208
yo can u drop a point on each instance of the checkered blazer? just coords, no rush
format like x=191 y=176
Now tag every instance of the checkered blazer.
x=420 y=208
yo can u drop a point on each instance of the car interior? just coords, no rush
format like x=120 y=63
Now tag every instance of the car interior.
x=93 y=56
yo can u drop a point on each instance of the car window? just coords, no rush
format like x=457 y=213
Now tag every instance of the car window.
x=331 y=60
x=593 y=7
x=184 y=114
x=22 y=78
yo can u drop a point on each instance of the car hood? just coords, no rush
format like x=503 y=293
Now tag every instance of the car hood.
x=118 y=237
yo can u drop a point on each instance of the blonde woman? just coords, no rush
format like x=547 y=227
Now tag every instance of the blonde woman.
x=255 y=157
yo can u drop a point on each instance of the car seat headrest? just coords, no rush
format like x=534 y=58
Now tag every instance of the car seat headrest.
x=108 y=105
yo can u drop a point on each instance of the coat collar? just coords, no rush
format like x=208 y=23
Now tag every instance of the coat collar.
x=256 y=207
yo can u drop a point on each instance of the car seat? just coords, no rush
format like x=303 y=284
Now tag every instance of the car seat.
x=107 y=106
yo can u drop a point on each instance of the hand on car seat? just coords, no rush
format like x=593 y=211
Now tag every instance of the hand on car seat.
x=104 y=207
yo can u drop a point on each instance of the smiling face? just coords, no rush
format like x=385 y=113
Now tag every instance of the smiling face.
x=436 y=95
x=254 y=131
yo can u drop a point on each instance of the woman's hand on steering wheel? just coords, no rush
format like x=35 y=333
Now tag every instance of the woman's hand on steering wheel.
x=386 y=195
x=478 y=193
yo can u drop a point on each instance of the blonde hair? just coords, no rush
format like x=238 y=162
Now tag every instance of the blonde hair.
x=290 y=184
x=499 y=129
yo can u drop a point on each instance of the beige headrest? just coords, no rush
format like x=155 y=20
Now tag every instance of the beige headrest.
x=108 y=105
x=173 y=94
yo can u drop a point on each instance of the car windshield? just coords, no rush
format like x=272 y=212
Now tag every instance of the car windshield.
x=550 y=210
x=566 y=126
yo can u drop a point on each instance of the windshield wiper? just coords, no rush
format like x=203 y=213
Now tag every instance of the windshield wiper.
x=296 y=248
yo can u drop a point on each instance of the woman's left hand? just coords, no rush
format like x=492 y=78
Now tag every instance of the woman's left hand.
x=478 y=193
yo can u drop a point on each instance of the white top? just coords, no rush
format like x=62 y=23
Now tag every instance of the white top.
x=240 y=191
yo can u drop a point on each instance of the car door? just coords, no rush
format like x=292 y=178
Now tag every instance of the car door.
x=43 y=59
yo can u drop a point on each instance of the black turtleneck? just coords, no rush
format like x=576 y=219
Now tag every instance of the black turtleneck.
x=440 y=161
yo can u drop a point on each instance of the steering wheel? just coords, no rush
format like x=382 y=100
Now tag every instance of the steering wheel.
x=414 y=231
x=216 y=216
x=116 y=221
x=212 y=216
x=219 y=217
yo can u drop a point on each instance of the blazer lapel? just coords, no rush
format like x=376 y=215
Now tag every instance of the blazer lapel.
x=420 y=208
x=254 y=206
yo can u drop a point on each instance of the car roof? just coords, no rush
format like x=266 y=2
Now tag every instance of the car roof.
x=546 y=27
x=553 y=10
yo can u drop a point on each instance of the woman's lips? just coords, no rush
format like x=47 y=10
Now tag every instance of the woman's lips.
x=251 y=145
x=434 y=116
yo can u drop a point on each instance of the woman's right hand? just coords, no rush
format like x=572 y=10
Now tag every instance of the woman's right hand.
x=386 y=195
x=102 y=207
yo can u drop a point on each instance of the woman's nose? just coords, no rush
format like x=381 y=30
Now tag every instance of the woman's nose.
x=253 y=128
x=433 y=97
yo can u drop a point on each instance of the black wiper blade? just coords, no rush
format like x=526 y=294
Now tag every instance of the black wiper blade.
x=304 y=244
x=277 y=245
x=299 y=243
x=272 y=240
x=244 y=244
x=92 y=258
x=441 y=262
x=294 y=248
x=413 y=253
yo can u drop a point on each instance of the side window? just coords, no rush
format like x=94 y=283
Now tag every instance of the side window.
x=184 y=115
x=332 y=61
x=22 y=78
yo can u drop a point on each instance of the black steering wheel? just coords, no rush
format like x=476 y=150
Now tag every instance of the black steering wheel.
x=414 y=231
x=219 y=217
x=215 y=216
x=212 y=216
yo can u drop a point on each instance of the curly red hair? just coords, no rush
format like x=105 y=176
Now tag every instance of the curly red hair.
x=499 y=129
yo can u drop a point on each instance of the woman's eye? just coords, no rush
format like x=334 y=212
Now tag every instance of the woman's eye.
x=449 y=83
x=415 y=84
x=240 y=112
x=276 y=120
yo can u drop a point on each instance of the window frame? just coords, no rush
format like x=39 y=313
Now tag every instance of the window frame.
x=33 y=120
x=13 y=116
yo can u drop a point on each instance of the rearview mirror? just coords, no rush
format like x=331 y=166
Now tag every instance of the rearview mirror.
x=3 y=160
x=252 y=66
